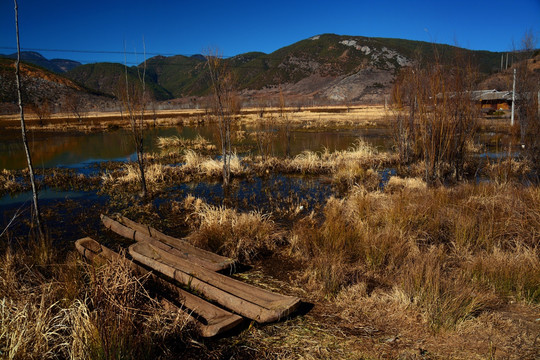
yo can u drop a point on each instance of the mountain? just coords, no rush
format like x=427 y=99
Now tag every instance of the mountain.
x=329 y=67
x=41 y=86
x=65 y=65
x=58 y=66
x=108 y=77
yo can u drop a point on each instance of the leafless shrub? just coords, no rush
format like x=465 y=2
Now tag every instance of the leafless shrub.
x=226 y=105
x=435 y=117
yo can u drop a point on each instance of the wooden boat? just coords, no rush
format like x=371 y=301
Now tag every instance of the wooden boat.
x=247 y=300
x=216 y=320
x=175 y=246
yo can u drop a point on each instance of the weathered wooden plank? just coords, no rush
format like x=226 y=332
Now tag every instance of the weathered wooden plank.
x=247 y=300
x=174 y=242
x=217 y=320
x=195 y=255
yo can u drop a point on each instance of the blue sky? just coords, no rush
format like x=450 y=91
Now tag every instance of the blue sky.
x=190 y=27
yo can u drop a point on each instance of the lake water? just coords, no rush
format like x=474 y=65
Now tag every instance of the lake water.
x=79 y=150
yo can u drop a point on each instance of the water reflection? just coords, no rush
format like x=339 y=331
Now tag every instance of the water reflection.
x=44 y=195
x=80 y=150
x=77 y=150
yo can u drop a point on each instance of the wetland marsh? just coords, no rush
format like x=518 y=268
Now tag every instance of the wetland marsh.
x=323 y=210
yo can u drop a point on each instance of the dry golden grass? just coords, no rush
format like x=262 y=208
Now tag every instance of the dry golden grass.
x=127 y=179
x=367 y=116
x=205 y=165
x=506 y=170
x=175 y=142
x=396 y=183
x=325 y=116
x=453 y=253
x=51 y=310
x=360 y=154
x=391 y=327
x=242 y=236
x=514 y=273
x=8 y=184
x=347 y=166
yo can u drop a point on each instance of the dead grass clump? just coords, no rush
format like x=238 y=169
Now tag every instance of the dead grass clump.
x=242 y=236
x=352 y=174
x=127 y=179
x=446 y=254
x=507 y=170
x=307 y=162
x=121 y=317
x=485 y=217
x=108 y=316
x=445 y=300
x=350 y=240
x=514 y=273
x=175 y=142
x=206 y=166
x=29 y=330
x=396 y=183
x=8 y=184
x=361 y=153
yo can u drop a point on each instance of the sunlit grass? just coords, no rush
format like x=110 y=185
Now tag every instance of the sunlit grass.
x=240 y=235
x=68 y=309
x=454 y=252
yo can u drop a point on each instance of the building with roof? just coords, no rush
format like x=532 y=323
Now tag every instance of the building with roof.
x=493 y=100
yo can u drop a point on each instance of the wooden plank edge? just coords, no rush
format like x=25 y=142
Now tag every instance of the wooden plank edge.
x=254 y=294
x=180 y=244
x=138 y=236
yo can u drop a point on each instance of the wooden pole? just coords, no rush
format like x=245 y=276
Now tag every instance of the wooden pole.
x=513 y=99
x=23 y=128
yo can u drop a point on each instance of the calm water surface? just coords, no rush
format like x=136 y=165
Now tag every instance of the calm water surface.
x=78 y=150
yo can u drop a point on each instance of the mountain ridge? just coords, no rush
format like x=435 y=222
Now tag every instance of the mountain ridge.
x=328 y=66
x=58 y=66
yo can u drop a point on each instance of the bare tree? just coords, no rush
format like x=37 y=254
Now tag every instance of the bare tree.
x=436 y=117
x=526 y=84
x=75 y=105
x=281 y=102
x=153 y=109
x=527 y=99
x=41 y=110
x=134 y=103
x=23 y=130
x=226 y=104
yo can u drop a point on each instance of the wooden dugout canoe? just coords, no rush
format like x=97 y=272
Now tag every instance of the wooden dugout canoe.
x=175 y=246
x=217 y=320
x=247 y=300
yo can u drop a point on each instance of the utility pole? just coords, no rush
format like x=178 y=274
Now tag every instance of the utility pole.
x=513 y=99
x=502 y=58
